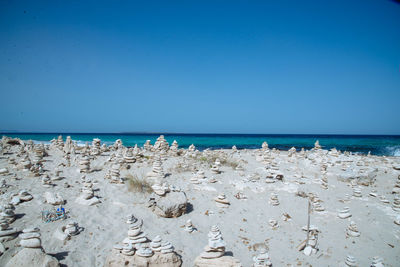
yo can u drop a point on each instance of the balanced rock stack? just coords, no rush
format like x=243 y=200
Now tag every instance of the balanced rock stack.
x=191 y=151
x=96 y=147
x=264 y=146
x=38 y=154
x=68 y=146
x=60 y=142
x=316 y=202
x=352 y=230
x=292 y=152
x=30 y=238
x=135 y=234
x=262 y=259
x=173 y=150
x=324 y=182
x=350 y=261
x=396 y=188
x=215 y=167
x=115 y=174
x=311 y=247
x=84 y=164
x=129 y=157
x=32 y=253
x=6 y=233
x=66 y=232
x=118 y=144
x=377 y=262
x=22 y=196
x=161 y=144
x=189 y=227
x=221 y=201
x=160 y=189
x=317 y=146
x=25 y=163
x=214 y=252
x=357 y=191
x=136 y=250
x=344 y=213
x=396 y=204
x=157 y=172
x=87 y=196
x=147 y=146
x=273 y=200
x=7 y=212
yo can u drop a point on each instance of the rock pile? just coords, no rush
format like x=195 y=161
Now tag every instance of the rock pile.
x=214 y=252
x=32 y=253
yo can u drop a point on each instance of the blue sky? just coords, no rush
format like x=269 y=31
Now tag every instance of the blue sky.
x=200 y=66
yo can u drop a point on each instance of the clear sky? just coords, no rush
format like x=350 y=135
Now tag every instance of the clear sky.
x=200 y=66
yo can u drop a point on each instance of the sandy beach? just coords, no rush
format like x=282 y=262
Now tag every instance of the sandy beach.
x=257 y=198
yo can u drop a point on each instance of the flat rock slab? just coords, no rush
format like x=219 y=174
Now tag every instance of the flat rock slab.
x=117 y=259
x=224 y=261
x=29 y=257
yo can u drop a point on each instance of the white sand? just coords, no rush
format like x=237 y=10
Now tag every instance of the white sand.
x=243 y=225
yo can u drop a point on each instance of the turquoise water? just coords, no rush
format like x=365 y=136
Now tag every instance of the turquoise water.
x=378 y=144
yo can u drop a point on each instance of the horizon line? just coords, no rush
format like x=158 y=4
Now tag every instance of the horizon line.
x=180 y=133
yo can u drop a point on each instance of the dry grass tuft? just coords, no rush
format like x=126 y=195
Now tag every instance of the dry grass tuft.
x=138 y=185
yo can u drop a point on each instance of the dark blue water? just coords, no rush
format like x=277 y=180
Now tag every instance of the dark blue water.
x=388 y=145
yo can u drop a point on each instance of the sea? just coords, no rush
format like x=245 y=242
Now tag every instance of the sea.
x=382 y=145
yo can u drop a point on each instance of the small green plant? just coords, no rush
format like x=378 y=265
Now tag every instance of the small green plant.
x=138 y=185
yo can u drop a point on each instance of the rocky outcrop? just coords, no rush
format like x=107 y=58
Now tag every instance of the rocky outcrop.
x=171 y=205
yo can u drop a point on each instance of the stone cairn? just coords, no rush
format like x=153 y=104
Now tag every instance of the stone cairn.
x=161 y=145
x=350 y=261
x=114 y=174
x=262 y=259
x=214 y=252
x=396 y=204
x=84 y=164
x=215 y=167
x=32 y=253
x=157 y=172
x=60 y=142
x=7 y=212
x=357 y=191
x=377 y=262
x=68 y=146
x=38 y=153
x=129 y=157
x=87 y=196
x=6 y=233
x=216 y=244
x=25 y=163
x=221 y=201
x=137 y=250
x=30 y=238
x=396 y=188
x=344 y=213
x=292 y=152
x=189 y=227
x=352 y=230
x=273 y=200
x=324 y=182
x=173 y=150
x=96 y=147
x=191 y=151
x=147 y=146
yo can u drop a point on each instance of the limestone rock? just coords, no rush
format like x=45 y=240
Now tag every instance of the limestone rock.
x=171 y=205
x=28 y=257
x=158 y=259
x=53 y=199
x=224 y=261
